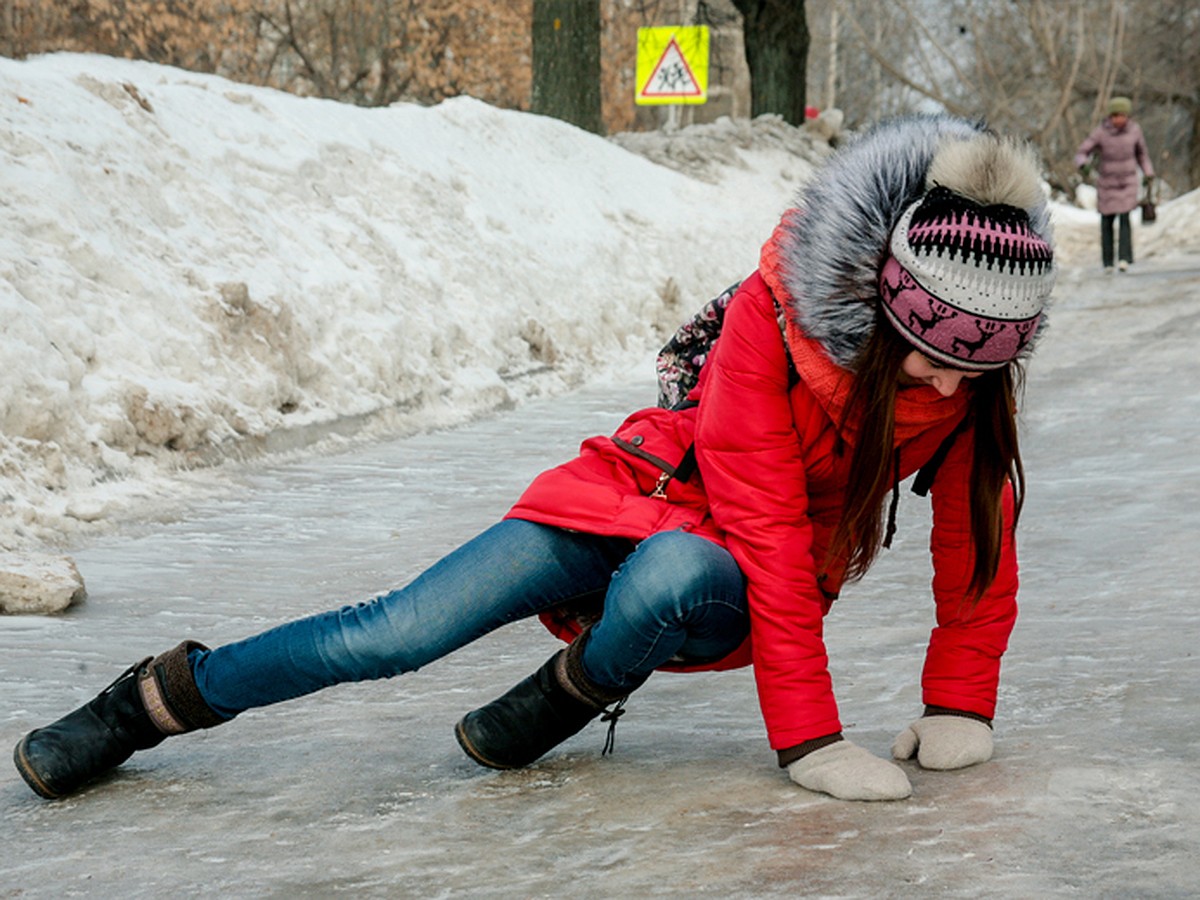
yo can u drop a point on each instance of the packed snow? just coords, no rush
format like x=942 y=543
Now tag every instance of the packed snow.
x=195 y=272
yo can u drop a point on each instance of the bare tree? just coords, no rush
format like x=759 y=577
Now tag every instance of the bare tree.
x=374 y=52
x=1164 y=75
x=370 y=52
x=776 y=36
x=1045 y=69
x=192 y=34
x=1042 y=68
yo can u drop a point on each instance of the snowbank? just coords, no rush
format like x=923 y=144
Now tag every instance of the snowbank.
x=1176 y=230
x=192 y=270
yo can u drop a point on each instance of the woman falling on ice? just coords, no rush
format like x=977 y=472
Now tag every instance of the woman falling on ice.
x=882 y=333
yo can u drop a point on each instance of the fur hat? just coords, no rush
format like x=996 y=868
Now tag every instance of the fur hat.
x=1121 y=105
x=832 y=251
x=966 y=277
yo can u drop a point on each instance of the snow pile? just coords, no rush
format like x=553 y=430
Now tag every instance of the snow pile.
x=710 y=151
x=192 y=270
x=1175 y=231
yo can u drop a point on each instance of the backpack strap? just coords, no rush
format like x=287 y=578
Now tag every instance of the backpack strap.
x=686 y=467
x=924 y=480
x=781 y=318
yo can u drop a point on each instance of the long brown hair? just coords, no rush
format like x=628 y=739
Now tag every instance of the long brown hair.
x=861 y=532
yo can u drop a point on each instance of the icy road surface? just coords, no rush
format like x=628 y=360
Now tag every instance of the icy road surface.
x=362 y=791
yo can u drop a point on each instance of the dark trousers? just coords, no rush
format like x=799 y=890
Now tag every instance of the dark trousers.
x=1125 y=239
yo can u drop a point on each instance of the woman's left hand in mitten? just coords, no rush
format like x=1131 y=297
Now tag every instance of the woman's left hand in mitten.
x=945 y=742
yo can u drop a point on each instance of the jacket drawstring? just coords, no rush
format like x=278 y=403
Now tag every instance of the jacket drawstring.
x=895 y=504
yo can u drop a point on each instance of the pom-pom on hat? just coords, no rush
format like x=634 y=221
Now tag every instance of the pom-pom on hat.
x=967 y=277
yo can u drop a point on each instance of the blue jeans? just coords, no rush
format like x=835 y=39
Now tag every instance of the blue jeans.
x=674 y=595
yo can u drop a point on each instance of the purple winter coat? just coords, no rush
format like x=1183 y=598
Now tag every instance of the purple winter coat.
x=1122 y=152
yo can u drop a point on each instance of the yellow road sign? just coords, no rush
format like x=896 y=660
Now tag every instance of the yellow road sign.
x=672 y=65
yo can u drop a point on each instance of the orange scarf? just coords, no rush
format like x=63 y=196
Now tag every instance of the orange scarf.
x=917 y=408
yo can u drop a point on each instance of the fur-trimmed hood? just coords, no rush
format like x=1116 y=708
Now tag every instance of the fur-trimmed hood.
x=824 y=259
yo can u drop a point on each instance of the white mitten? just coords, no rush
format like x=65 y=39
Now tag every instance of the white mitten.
x=849 y=772
x=945 y=742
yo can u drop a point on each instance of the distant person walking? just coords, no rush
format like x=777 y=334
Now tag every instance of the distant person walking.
x=1119 y=148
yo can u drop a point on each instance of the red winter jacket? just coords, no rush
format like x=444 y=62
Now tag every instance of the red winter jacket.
x=771 y=481
x=769 y=490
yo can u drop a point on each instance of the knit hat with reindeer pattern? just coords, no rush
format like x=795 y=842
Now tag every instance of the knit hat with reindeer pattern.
x=966 y=277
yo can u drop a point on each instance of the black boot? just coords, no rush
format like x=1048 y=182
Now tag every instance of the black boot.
x=538 y=713
x=155 y=698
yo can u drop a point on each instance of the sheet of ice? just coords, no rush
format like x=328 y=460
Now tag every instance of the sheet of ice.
x=362 y=790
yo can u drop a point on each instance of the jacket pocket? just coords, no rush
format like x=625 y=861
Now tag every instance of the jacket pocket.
x=666 y=470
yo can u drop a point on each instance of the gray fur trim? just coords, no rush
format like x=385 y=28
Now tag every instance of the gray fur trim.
x=830 y=254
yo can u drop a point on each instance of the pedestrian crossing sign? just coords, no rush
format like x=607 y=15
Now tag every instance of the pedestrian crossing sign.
x=672 y=65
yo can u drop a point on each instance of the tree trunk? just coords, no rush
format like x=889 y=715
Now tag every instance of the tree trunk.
x=775 y=33
x=831 y=72
x=1193 y=166
x=10 y=29
x=566 y=61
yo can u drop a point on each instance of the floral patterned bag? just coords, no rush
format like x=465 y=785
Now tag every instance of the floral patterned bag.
x=680 y=360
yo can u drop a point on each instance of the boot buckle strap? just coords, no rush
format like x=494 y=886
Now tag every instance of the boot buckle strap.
x=156 y=705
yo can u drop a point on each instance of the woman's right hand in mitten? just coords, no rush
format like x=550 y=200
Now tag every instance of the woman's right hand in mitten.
x=848 y=772
x=945 y=742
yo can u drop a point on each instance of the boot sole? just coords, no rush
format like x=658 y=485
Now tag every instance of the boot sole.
x=471 y=751
x=23 y=765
